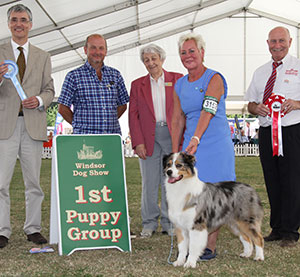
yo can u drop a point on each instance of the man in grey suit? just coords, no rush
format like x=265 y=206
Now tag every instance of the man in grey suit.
x=23 y=124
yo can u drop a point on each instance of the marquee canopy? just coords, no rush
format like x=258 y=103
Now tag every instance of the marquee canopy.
x=235 y=32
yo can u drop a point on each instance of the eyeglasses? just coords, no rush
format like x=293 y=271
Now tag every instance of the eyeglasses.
x=22 y=20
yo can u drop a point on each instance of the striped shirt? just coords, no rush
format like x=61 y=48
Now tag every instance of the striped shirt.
x=94 y=102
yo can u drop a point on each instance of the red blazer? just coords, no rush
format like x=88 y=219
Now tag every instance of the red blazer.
x=141 y=111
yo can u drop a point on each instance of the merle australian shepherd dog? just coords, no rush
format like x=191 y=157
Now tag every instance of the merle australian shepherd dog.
x=197 y=208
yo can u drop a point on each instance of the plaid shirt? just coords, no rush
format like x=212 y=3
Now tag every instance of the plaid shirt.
x=95 y=102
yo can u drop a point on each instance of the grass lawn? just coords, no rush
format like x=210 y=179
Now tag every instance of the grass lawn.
x=148 y=256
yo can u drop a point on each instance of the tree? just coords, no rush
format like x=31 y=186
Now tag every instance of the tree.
x=51 y=114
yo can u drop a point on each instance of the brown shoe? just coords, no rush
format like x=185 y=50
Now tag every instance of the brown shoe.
x=288 y=243
x=3 y=241
x=36 y=238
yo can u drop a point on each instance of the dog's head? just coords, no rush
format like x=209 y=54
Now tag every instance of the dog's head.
x=178 y=165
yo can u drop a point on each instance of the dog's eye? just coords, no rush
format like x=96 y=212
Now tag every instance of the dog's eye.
x=178 y=165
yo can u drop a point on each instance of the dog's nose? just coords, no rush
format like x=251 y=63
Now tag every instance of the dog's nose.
x=169 y=172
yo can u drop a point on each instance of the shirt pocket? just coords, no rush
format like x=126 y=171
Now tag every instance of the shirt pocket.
x=291 y=87
x=110 y=93
x=87 y=94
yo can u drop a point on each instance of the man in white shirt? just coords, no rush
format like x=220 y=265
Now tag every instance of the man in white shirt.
x=281 y=173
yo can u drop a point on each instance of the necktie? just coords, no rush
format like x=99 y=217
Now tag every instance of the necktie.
x=21 y=63
x=270 y=83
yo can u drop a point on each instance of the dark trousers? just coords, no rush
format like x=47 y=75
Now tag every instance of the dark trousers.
x=282 y=178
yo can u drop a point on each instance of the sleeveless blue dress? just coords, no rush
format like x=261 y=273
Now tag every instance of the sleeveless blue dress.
x=215 y=154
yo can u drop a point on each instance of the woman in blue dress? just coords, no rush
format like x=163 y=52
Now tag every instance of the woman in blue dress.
x=199 y=113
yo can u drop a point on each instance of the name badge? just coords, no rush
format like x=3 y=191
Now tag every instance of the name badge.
x=11 y=74
x=168 y=84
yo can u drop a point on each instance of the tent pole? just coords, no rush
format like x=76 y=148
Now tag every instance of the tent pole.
x=245 y=49
x=298 y=42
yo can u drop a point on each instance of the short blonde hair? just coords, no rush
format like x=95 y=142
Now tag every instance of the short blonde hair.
x=197 y=38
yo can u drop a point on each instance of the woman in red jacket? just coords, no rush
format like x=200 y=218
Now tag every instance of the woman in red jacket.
x=150 y=117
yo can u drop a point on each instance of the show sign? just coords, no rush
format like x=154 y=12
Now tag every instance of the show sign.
x=89 y=207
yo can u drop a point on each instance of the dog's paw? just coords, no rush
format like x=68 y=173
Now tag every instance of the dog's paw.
x=259 y=257
x=189 y=264
x=178 y=262
x=246 y=254
x=259 y=254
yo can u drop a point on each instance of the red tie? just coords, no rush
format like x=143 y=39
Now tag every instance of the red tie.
x=270 y=83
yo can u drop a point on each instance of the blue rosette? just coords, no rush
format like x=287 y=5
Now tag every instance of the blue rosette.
x=12 y=74
x=12 y=69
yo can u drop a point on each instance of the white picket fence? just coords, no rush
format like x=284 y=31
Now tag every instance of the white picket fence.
x=239 y=150
x=47 y=153
x=246 y=150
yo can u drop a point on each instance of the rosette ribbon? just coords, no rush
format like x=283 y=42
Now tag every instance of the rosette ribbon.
x=12 y=74
x=274 y=103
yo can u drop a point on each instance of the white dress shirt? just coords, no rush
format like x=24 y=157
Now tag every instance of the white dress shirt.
x=17 y=51
x=159 y=98
x=287 y=84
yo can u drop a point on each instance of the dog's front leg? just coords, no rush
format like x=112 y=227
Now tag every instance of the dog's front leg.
x=248 y=246
x=183 y=244
x=198 y=241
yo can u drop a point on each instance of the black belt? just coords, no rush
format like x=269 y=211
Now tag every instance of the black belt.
x=21 y=113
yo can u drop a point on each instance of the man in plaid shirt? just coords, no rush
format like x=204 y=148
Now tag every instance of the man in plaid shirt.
x=96 y=91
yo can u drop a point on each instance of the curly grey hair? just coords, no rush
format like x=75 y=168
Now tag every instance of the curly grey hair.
x=153 y=48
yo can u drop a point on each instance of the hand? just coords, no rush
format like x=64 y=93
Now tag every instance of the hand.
x=3 y=70
x=262 y=110
x=192 y=147
x=141 y=151
x=289 y=105
x=30 y=103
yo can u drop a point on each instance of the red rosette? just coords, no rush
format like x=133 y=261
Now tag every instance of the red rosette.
x=274 y=103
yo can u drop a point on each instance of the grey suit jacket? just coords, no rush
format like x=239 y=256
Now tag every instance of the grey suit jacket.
x=37 y=81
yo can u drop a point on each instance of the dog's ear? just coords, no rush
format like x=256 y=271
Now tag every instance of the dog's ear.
x=166 y=158
x=189 y=159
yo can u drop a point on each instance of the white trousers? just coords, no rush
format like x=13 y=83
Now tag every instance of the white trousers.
x=30 y=156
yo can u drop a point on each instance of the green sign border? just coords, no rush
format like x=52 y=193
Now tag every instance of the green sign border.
x=113 y=188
